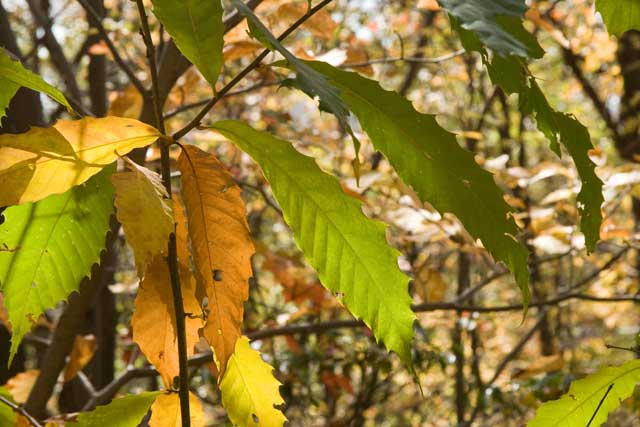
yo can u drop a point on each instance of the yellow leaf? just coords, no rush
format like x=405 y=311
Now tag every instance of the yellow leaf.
x=249 y=389
x=154 y=318
x=45 y=161
x=20 y=386
x=222 y=246
x=83 y=349
x=144 y=212
x=165 y=411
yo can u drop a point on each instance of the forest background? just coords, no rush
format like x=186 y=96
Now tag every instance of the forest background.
x=476 y=358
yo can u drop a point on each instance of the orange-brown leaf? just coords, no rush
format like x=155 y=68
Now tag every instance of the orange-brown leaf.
x=83 y=349
x=20 y=386
x=222 y=246
x=154 y=319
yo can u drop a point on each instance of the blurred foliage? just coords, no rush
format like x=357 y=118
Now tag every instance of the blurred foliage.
x=340 y=377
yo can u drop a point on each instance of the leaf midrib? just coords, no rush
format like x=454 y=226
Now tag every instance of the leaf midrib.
x=329 y=220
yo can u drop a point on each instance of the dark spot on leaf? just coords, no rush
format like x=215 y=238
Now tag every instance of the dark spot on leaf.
x=255 y=418
x=217 y=275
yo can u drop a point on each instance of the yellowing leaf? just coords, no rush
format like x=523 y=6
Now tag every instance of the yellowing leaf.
x=165 y=411
x=20 y=386
x=83 y=349
x=144 y=211
x=154 y=319
x=249 y=389
x=222 y=246
x=45 y=161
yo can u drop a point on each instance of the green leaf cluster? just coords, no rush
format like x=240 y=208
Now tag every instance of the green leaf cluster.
x=48 y=246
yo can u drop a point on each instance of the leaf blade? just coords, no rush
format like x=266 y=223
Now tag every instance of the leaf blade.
x=14 y=72
x=126 y=411
x=222 y=245
x=497 y=24
x=575 y=408
x=165 y=411
x=46 y=161
x=249 y=389
x=197 y=29
x=139 y=193
x=442 y=173
x=154 y=318
x=619 y=15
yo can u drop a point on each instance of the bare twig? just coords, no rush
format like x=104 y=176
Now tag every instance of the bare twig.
x=57 y=55
x=20 y=410
x=238 y=78
x=411 y=60
x=172 y=257
x=197 y=104
x=97 y=22
x=501 y=367
x=606 y=393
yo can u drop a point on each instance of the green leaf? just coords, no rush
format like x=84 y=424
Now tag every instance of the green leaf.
x=47 y=247
x=8 y=90
x=619 y=15
x=576 y=408
x=348 y=250
x=197 y=29
x=7 y=416
x=429 y=158
x=575 y=138
x=126 y=411
x=512 y=75
x=13 y=72
x=497 y=23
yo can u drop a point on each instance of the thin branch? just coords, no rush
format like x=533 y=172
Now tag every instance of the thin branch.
x=501 y=367
x=252 y=66
x=197 y=104
x=411 y=60
x=97 y=22
x=105 y=394
x=172 y=257
x=57 y=55
x=20 y=410
x=606 y=393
